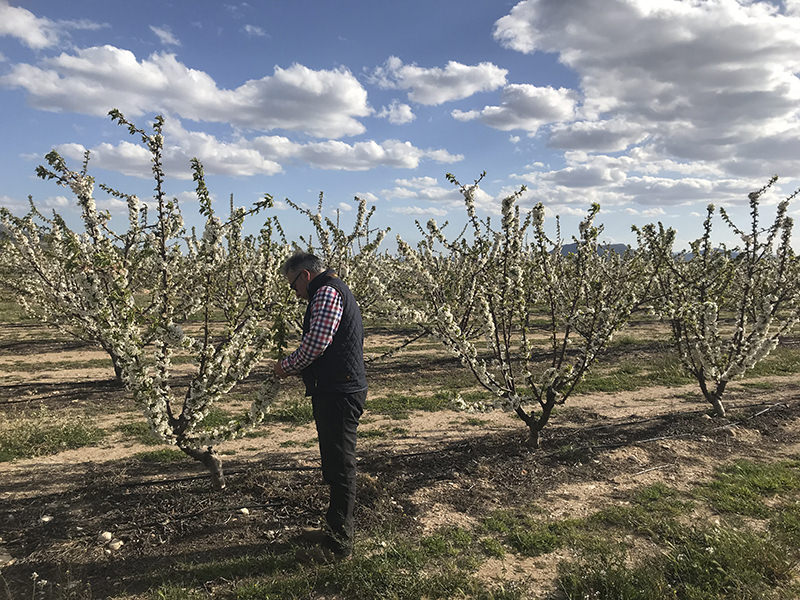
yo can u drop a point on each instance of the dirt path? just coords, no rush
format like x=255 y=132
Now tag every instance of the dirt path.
x=431 y=470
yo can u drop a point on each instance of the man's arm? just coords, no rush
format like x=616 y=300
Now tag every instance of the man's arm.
x=326 y=314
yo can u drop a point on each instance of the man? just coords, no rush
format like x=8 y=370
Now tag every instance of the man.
x=331 y=361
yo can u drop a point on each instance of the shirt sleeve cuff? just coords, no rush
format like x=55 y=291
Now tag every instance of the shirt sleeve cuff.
x=286 y=365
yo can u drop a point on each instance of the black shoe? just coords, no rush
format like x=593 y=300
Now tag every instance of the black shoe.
x=337 y=546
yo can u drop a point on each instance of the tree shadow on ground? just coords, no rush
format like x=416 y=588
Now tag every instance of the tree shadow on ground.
x=180 y=530
x=571 y=452
x=54 y=394
x=25 y=347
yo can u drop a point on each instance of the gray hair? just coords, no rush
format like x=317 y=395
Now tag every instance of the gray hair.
x=302 y=261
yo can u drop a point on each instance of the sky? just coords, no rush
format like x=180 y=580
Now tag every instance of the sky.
x=651 y=108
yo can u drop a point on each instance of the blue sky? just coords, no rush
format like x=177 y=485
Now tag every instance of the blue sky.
x=653 y=108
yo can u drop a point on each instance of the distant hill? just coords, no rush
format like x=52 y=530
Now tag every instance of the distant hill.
x=621 y=248
x=573 y=248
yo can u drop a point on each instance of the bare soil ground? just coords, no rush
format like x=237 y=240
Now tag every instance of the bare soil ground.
x=443 y=468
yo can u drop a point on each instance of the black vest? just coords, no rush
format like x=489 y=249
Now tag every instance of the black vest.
x=340 y=368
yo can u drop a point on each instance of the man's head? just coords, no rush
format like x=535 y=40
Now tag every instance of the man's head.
x=299 y=269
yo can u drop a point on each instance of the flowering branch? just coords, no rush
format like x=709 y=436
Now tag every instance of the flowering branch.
x=757 y=283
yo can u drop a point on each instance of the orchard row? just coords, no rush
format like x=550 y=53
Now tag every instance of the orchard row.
x=526 y=317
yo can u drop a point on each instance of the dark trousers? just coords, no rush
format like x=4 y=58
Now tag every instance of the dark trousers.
x=336 y=416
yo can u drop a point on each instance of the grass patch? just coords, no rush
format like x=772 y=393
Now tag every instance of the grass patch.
x=216 y=417
x=44 y=433
x=785 y=523
x=781 y=361
x=716 y=564
x=382 y=432
x=371 y=434
x=677 y=562
x=664 y=369
x=695 y=563
x=11 y=311
x=651 y=511
x=661 y=369
x=399 y=406
x=41 y=365
x=741 y=487
x=162 y=456
x=139 y=432
x=295 y=411
x=757 y=385
x=449 y=541
x=175 y=592
x=475 y=422
x=296 y=443
x=239 y=567
x=526 y=535
x=437 y=566
x=492 y=548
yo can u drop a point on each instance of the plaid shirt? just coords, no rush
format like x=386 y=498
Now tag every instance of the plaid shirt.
x=326 y=313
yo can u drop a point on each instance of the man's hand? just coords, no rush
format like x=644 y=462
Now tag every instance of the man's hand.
x=279 y=372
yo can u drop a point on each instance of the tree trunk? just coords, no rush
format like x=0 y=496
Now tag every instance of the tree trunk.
x=714 y=397
x=211 y=461
x=117 y=366
x=535 y=425
x=533 y=436
x=719 y=409
x=117 y=372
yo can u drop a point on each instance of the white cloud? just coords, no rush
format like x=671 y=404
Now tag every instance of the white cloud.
x=56 y=201
x=710 y=82
x=419 y=210
x=165 y=35
x=666 y=191
x=344 y=206
x=126 y=158
x=433 y=193
x=438 y=85
x=113 y=205
x=218 y=158
x=81 y=24
x=322 y=103
x=39 y=32
x=237 y=10
x=525 y=107
x=700 y=104
x=262 y=155
x=583 y=176
x=553 y=210
x=422 y=188
x=368 y=196
x=33 y=31
x=359 y=156
x=13 y=204
x=514 y=139
x=417 y=182
x=646 y=212
x=255 y=31
x=424 y=196
x=59 y=203
x=190 y=196
x=398 y=114
x=612 y=135
x=624 y=181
